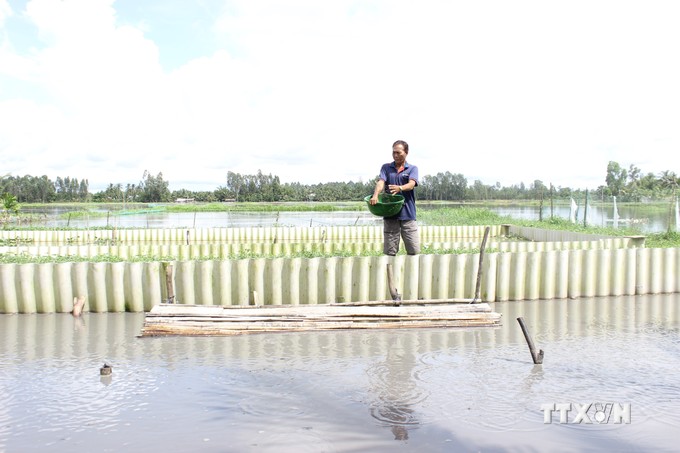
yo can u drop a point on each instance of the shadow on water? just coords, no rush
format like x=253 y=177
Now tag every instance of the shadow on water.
x=414 y=389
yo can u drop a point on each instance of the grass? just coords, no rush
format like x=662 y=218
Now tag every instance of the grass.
x=663 y=240
x=437 y=216
x=24 y=258
x=462 y=216
x=557 y=223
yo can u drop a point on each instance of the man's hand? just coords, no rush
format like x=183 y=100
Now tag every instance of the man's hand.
x=394 y=189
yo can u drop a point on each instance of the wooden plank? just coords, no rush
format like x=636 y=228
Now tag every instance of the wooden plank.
x=297 y=325
x=172 y=308
x=171 y=319
x=323 y=316
x=326 y=310
x=201 y=329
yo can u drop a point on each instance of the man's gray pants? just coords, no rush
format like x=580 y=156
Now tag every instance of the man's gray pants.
x=407 y=230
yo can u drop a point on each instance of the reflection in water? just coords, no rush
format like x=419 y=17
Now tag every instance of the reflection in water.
x=435 y=389
x=5 y=417
x=393 y=386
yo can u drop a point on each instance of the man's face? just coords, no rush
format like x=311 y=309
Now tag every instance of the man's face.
x=398 y=154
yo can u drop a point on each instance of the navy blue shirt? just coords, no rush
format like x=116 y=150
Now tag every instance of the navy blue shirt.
x=390 y=175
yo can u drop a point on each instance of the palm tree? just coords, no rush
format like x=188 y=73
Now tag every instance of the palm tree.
x=669 y=181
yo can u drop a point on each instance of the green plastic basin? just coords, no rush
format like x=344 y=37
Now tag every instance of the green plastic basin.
x=387 y=205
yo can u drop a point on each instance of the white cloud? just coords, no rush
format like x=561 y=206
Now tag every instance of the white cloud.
x=318 y=91
x=5 y=10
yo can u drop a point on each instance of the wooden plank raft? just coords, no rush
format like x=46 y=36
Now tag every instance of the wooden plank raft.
x=215 y=320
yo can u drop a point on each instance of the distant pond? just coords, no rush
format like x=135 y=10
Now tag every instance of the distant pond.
x=648 y=218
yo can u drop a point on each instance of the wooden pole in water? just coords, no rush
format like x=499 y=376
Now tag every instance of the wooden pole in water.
x=390 y=283
x=536 y=357
x=168 y=283
x=585 y=210
x=479 y=268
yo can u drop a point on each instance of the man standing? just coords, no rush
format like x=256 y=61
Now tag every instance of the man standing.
x=401 y=178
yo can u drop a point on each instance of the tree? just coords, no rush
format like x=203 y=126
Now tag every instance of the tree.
x=633 y=175
x=112 y=193
x=669 y=181
x=458 y=186
x=10 y=204
x=83 y=193
x=479 y=191
x=538 y=189
x=154 y=189
x=131 y=193
x=616 y=178
x=234 y=183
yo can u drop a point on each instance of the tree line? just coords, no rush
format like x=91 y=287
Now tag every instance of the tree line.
x=631 y=185
x=626 y=184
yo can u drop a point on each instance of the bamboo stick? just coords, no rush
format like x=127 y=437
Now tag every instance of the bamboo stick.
x=479 y=268
x=390 y=283
x=537 y=357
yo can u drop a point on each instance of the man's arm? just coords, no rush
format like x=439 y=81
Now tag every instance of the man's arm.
x=379 y=186
x=413 y=181
x=410 y=185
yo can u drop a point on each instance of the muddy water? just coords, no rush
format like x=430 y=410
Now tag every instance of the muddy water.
x=403 y=390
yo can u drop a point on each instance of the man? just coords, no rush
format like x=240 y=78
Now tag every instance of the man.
x=401 y=178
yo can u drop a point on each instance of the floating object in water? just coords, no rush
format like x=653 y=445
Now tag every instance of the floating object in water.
x=106 y=370
x=633 y=220
x=78 y=303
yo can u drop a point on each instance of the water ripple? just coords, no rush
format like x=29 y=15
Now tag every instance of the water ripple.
x=249 y=393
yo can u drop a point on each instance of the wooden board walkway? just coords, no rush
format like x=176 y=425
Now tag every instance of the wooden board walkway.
x=215 y=320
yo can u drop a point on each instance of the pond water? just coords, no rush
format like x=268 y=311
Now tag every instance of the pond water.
x=425 y=390
x=217 y=219
x=648 y=219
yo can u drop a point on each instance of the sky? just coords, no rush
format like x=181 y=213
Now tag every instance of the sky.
x=316 y=91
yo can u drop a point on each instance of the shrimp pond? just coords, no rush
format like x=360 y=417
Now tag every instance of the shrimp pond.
x=611 y=372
